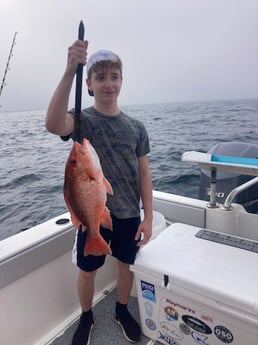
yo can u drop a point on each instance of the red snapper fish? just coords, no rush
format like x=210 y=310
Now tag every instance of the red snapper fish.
x=85 y=193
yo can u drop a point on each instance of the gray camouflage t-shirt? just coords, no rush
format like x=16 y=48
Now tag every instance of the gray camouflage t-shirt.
x=118 y=140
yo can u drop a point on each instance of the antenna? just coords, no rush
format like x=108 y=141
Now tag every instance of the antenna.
x=8 y=62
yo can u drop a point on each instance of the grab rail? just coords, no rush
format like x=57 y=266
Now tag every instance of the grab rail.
x=227 y=204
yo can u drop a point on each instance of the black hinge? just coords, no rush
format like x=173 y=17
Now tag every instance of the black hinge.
x=166 y=280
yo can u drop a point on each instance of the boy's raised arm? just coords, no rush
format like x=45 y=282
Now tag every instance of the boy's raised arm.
x=57 y=119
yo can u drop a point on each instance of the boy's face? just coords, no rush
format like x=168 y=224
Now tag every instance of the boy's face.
x=105 y=83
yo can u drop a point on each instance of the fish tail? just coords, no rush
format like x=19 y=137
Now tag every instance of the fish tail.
x=96 y=246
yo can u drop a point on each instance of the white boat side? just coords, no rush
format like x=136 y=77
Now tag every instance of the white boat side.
x=38 y=294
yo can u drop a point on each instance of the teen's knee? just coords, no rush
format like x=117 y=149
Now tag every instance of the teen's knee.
x=87 y=275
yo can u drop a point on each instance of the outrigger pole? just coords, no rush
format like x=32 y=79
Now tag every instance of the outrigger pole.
x=7 y=65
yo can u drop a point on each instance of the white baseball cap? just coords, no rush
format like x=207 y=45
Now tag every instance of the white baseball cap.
x=101 y=55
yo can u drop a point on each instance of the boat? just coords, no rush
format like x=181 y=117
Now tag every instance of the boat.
x=38 y=297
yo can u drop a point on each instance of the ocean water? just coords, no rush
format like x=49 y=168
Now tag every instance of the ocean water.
x=32 y=161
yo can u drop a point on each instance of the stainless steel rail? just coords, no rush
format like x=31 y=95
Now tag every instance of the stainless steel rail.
x=227 y=204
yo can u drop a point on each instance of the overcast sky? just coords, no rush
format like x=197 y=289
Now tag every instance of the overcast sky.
x=172 y=50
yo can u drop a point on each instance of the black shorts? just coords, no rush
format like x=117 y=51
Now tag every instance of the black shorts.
x=122 y=243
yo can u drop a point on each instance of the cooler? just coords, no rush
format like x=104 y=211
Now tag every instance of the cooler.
x=197 y=286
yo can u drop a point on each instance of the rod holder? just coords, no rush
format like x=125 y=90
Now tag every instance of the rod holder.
x=213 y=190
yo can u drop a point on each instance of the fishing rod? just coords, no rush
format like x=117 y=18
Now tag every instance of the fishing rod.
x=7 y=65
x=78 y=91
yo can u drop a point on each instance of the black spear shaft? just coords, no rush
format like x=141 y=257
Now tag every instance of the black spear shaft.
x=78 y=91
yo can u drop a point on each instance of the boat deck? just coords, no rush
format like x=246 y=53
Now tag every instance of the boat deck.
x=106 y=330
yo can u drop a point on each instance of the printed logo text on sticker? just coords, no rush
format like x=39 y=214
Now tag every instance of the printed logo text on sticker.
x=148 y=291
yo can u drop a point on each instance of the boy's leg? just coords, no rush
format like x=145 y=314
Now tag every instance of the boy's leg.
x=88 y=266
x=124 y=282
x=86 y=284
x=129 y=326
x=124 y=248
x=85 y=293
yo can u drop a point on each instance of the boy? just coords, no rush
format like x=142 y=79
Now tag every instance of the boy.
x=122 y=145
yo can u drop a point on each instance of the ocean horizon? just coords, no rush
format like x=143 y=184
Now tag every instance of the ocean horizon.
x=32 y=160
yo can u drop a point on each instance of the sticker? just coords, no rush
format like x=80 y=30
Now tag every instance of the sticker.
x=167 y=339
x=223 y=334
x=181 y=306
x=171 y=313
x=207 y=318
x=148 y=291
x=184 y=328
x=171 y=330
x=199 y=338
x=150 y=324
x=196 y=324
x=148 y=308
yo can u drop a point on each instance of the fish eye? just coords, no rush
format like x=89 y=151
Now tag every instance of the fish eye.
x=73 y=161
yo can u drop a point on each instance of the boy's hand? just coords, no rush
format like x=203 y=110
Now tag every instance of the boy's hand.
x=77 y=53
x=144 y=228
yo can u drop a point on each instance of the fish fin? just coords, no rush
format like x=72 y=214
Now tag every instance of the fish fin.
x=84 y=227
x=108 y=186
x=96 y=246
x=106 y=220
x=76 y=222
x=85 y=142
